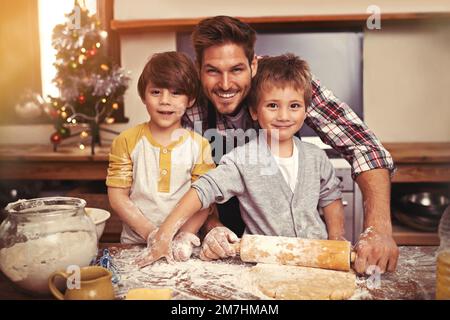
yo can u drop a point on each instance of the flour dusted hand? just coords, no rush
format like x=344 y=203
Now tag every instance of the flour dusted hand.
x=160 y=247
x=217 y=244
x=183 y=245
x=375 y=249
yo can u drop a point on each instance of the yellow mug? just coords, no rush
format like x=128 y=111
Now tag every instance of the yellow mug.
x=94 y=284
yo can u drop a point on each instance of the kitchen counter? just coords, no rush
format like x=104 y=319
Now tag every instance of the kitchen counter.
x=416 y=162
x=196 y=279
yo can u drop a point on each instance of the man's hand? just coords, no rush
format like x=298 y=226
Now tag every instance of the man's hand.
x=217 y=244
x=375 y=249
x=157 y=248
x=183 y=245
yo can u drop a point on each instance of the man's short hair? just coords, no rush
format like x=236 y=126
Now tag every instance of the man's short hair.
x=221 y=30
x=171 y=70
x=280 y=72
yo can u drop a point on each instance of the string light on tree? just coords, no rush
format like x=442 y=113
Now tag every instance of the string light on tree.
x=110 y=120
x=81 y=99
x=55 y=138
x=84 y=135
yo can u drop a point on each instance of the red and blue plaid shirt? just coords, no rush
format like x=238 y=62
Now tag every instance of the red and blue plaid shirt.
x=334 y=122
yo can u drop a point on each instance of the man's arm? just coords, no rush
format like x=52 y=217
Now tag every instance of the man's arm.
x=338 y=126
x=376 y=245
x=119 y=200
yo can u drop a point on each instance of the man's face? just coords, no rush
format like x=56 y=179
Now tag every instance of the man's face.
x=281 y=111
x=226 y=76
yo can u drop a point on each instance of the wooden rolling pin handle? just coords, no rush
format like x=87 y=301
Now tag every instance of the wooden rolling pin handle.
x=236 y=246
x=352 y=256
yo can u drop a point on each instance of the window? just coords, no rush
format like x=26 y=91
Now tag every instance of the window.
x=27 y=54
x=19 y=55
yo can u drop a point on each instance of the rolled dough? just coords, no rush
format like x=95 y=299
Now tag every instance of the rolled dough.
x=299 y=283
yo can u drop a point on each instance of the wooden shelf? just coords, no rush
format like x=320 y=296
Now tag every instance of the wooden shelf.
x=271 y=22
x=419 y=152
x=405 y=236
x=421 y=162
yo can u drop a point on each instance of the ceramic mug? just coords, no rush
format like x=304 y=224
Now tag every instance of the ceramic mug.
x=94 y=284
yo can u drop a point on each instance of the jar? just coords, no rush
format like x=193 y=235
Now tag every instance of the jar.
x=443 y=258
x=44 y=235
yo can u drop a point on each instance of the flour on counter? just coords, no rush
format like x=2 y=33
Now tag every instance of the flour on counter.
x=195 y=279
x=192 y=279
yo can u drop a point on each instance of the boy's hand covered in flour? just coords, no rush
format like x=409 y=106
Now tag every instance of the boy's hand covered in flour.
x=183 y=245
x=157 y=247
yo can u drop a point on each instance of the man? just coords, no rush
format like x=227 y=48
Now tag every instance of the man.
x=226 y=60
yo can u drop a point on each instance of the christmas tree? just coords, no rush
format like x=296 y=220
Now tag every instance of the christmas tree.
x=91 y=86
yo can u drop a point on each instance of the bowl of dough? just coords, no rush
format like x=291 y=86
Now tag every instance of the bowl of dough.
x=43 y=235
x=99 y=217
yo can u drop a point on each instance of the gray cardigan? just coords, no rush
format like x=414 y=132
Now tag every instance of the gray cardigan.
x=268 y=205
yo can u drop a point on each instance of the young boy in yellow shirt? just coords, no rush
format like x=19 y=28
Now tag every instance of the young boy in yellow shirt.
x=280 y=181
x=153 y=165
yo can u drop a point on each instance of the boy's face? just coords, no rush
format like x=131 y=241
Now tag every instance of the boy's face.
x=281 y=111
x=165 y=106
x=226 y=76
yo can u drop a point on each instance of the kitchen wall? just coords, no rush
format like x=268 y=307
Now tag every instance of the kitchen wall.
x=406 y=63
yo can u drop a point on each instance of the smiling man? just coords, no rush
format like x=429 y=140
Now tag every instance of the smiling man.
x=226 y=82
x=227 y=63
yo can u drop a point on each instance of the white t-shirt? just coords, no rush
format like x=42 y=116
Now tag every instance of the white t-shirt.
x=289 y=168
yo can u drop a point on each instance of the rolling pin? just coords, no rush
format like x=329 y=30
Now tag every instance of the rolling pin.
x=325 y=254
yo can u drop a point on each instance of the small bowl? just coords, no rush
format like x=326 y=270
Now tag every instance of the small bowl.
x=425 y=204
x=99 y=217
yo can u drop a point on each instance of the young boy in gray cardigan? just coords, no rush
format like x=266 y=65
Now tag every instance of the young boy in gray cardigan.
x=280 y=181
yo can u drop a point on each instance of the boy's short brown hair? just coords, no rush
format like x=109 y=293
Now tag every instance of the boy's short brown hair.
x=171 y=70
x=221 y=30
x=281 y=71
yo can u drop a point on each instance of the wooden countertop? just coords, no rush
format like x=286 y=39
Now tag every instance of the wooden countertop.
x=413 y=279
x=416 y=162
x=401 y=152
x=45 y=152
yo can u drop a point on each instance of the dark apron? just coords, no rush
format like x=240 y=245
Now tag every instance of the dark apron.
x=229 y=212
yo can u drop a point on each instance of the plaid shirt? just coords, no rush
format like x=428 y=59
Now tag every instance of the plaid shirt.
x=334 y=122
